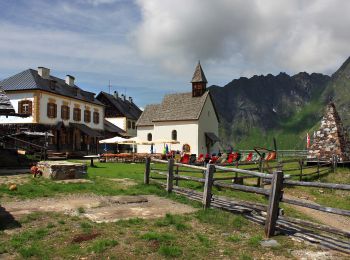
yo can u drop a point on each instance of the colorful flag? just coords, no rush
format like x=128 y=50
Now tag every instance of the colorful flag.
x=307 y=141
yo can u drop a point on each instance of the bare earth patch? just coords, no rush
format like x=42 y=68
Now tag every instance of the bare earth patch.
x=100 y=208
x=126 y=182
x=15 y=179
x=333 y=220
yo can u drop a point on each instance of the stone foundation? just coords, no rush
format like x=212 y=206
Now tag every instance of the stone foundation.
x=62 y=170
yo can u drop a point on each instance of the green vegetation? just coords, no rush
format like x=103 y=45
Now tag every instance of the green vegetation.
x=207 y=234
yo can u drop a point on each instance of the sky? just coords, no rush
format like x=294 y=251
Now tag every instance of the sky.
x=148 y=48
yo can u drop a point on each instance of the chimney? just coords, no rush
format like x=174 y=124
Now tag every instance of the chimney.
x=70 y=80
x=123 y=97
x=44 y=72
x=115 y=94
x=130 y=99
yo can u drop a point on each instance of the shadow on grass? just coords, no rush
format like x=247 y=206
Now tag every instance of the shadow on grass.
x=7 y=221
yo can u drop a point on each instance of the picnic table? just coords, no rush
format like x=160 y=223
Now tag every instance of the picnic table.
x=92 y=157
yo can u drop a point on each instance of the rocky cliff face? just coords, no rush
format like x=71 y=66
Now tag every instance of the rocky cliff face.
x=255 y=108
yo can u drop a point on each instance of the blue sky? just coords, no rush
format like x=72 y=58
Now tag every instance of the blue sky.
x=147 y=48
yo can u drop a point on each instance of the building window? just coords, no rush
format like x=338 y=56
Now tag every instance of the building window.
x=51 y=110
x=77 y=114
x=25 y=107
x=96 y=117
x=65 y=111
x=133 y=125
x=149 y=137
x=87 y=116
x=174 y=135
x=129 y=124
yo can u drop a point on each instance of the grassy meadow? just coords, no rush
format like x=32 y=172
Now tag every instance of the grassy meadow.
x=209 y=234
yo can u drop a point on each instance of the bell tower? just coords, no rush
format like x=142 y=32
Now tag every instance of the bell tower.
x=199 y=81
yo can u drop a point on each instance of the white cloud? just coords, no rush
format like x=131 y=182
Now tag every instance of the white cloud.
x=248 y=36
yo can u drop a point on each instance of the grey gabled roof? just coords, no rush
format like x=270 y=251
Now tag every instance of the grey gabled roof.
x=31 y=80
x=6 y=107
x=198 y=76
x=181 y=106
x=147 y=115
x=125 y=107
x=174 y=107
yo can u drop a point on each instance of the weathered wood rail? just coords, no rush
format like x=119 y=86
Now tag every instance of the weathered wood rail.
x=269 y=214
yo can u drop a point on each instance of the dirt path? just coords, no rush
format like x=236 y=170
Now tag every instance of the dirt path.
x=332 y=220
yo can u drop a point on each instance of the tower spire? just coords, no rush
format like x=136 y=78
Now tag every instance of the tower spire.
x=199 y=81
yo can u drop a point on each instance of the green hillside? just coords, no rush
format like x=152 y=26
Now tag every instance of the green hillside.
x=256 y=110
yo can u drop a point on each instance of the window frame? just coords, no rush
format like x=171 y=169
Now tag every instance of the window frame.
x=87 y=116
x=65 y=112
x=51 y=110
x=96 y=117
x=174 y=135
x=149 y=137
x=26 y=103
x=77 y=115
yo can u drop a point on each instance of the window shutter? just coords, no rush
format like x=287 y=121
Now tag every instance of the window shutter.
x=55 y=110
x=63 y=116
x=68 y=112
x=30 y=104
x=48 y=110
x=20 y=109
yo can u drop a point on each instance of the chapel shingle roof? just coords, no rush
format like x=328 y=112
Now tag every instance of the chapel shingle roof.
x=174 y=107
x=125 y=107
x=198 y=75
x=180 y=106
x=31 y=80
x=6 y=107
x=147 y=115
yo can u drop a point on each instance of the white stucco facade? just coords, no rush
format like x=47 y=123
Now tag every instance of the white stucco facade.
x=122 y=123
x=40 y=100
x=188 y=132
x=15 y=98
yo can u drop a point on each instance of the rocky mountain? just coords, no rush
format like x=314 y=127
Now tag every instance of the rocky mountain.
x=255 y=110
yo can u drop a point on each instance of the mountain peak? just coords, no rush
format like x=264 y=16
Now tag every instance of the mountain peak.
x=343 y=70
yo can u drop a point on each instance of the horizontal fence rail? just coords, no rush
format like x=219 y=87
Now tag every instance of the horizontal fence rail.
x=277 y=180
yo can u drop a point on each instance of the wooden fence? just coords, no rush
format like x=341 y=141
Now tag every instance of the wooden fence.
x=278 y=181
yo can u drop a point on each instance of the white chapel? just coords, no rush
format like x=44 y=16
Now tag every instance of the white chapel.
x=189 y=118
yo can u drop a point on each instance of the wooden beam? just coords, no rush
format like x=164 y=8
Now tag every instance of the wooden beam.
x=273 y=207
x=208 y=185
x=147 y=170
x=170 y=177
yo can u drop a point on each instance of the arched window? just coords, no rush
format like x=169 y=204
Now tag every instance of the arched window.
x=149 y=137
x=174 y=135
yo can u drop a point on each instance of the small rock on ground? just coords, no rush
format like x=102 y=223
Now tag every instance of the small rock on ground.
x=270 y=243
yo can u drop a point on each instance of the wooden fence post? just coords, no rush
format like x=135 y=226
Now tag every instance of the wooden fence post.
x=301 y=162
x=147 y=170
x=273 y=207
x=209 y=174
x=170 y=177
x=177 y=173
x=260 y=170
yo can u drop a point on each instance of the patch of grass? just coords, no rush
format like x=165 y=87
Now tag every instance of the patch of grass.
x=221 y=218
x=23 y=238
x=149 y=236
x=102 y=245
x=255 y=240
x=234 y=238
x=175 y=220
x=170 y=251
x=81 y=210
x=86 y=227
x=245 y=256
x=61 y=222
x=30 y=217
x=130 y=222
x=50 y=225
x=33 y=250
x=204 y=240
